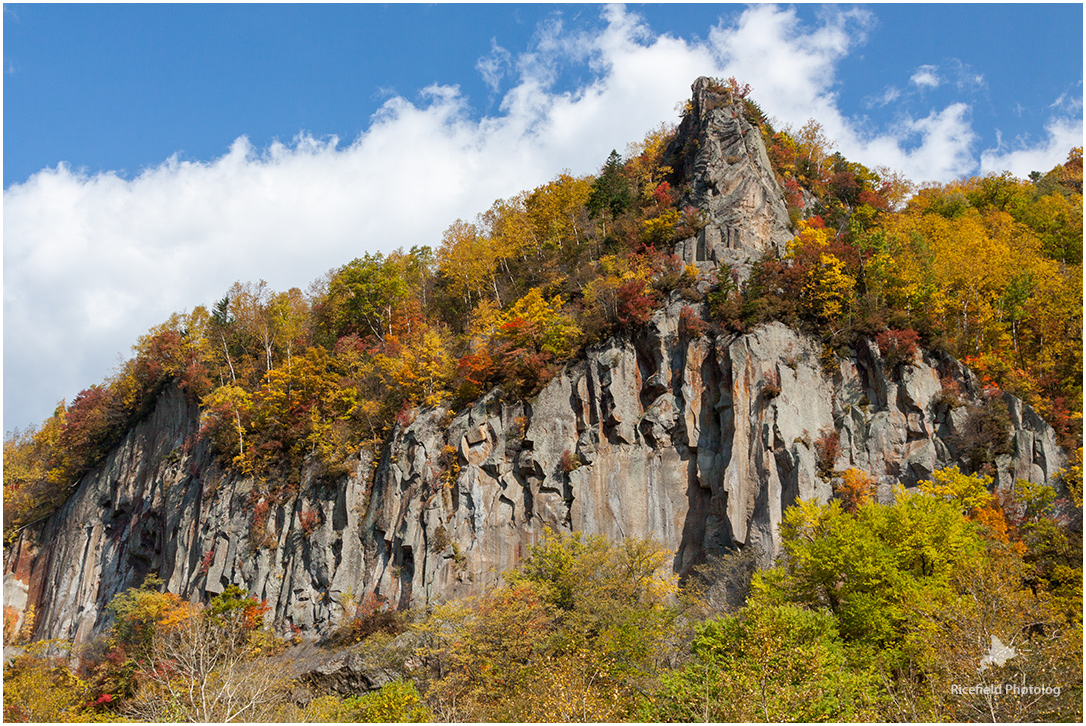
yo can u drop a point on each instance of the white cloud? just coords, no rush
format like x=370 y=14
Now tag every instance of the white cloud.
x=1063 y=132
x=963 y=76
x=1061 y=135
x=493 y=66
x=885 y=98
x=944 y=151
x=91 y=260
x=1069 y=102
x=791 y=69
x=926 y=77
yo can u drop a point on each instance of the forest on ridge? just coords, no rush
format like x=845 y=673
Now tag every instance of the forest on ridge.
x=872 y=613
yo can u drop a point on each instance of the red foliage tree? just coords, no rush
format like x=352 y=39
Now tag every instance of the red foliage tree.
x=635 y=303
x=897 y=346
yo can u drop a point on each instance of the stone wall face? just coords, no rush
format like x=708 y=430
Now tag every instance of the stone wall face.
x=698 y=443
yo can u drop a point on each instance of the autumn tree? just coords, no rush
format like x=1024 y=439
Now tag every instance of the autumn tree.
x=398 y=701
x=855 y=490
x=777 y=663
x=875 y=571
x=362 y=296
x=621 y=295
x=646 y=166
x=469 y=263
x=1037 y=663
x=535 y=333
x=288 y=315
x=573 y=636
x=33 y=485
x=39 y=687
x=205 y=668
x=558 y=213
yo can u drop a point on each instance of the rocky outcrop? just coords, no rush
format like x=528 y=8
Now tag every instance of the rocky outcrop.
x=349 y=670
x=697 y=442
x=727 y=174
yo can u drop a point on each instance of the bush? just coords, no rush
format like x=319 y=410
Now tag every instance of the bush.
x=573 y=635
x=898 y=346
x=827 y=449
x=774 y=663
x=39 y=688
x=855 y=489
x=690 y=325
x=395 y=702
x=372 y=617
x=568 y=462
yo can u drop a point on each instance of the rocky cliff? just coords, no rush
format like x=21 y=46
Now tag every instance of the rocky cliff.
x=727 y=175
x=699 y=442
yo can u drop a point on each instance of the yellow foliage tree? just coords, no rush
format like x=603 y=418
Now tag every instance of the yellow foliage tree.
x=469 y=262
x=855 y=489
x=425 y=368
x=557 y=211
x=969 y=493
x=576 y=633
x=537 y=324
x=39 y=688
x=829 y=290
x=645 y=167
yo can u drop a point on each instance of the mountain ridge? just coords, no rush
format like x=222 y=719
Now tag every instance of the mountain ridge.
x=662 y=428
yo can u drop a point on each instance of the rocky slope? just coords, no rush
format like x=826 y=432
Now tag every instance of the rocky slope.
x=698 y=442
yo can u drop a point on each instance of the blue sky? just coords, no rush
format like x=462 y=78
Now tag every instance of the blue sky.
x=153 y=154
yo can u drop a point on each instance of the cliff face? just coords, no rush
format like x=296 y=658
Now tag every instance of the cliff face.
x=724 y=162
x=698 y=442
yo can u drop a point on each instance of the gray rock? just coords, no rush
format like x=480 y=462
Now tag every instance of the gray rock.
x=730 y=179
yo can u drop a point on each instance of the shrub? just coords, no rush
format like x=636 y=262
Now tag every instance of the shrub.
x=635 y=304
x=39 y=688
x=827 y=449
x=440 y=540
x=575 y=634
x=690 y=325
x=206 y=560
x=371 y=617
x=309 y=519
x=897 y=346
x=855 y=489
x=772 y=386
x=950 y=392
x=395 y=702
x=568 y=462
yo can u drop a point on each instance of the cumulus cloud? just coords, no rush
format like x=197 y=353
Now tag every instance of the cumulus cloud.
x=792 y=68
x=926 y=77
x=91 y=260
